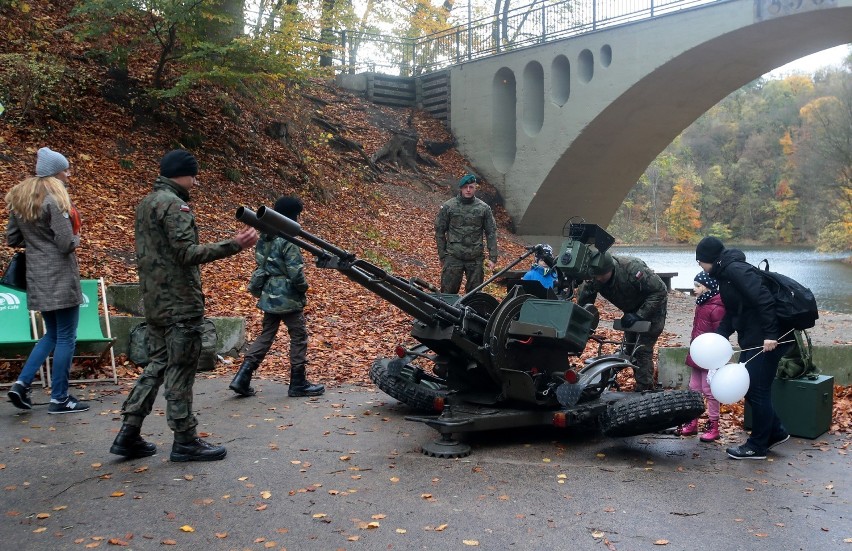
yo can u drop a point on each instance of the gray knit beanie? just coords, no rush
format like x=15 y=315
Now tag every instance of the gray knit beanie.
x=49 y=162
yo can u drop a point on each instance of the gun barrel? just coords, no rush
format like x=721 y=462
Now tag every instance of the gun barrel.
x=249 y=217
x=403 y=294
x=292 y=230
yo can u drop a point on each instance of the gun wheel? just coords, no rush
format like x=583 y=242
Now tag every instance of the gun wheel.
x=653 y=412
x=446 y=448
x=405 y=387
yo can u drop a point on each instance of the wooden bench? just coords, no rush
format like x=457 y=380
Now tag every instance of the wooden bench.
x=667 y=278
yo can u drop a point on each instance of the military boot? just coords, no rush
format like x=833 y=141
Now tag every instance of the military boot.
x=300 y=386
x=129 y=443
x=196 y=450
x=241 y=381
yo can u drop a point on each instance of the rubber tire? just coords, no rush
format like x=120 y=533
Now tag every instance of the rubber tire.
x=420 y=396
x=652 y=412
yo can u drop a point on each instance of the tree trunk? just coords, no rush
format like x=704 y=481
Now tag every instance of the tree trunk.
x=232 y=25
x=327 y=34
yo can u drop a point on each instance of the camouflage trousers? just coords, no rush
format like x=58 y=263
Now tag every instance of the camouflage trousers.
x=644 y=355
x=453 y=270
x=296 y=329
x=174 y=352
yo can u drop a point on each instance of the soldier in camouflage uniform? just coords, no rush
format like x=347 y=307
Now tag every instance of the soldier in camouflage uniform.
x=459 y=228
x=168 y=256
x=637 y=291
x=283 y=299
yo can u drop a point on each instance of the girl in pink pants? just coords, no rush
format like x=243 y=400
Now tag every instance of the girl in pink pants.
x=709 y=312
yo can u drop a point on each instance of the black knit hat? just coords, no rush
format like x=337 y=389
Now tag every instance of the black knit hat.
x=177 y=163
x=289 y=207
x=709 y=249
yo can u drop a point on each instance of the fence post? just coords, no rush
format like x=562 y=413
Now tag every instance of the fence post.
x=652 y=8
x=594 y=15
x=543 y=24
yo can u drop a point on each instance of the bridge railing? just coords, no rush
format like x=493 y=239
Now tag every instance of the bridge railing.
x=518 y=28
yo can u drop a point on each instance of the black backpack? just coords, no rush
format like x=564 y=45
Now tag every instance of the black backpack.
x=795 y=304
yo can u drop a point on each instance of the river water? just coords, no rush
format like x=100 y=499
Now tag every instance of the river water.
x=824 y=273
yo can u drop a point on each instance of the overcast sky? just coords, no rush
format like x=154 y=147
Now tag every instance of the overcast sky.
x=809 y=64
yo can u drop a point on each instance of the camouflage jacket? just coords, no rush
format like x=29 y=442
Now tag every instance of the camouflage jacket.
x=459 y=227
x=633 y=288
x=168 y=255
x=285 y=290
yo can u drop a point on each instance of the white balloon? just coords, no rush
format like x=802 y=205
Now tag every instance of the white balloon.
x=730 y=383
x=710 y=350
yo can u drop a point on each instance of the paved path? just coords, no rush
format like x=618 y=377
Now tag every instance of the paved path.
x=344 y=471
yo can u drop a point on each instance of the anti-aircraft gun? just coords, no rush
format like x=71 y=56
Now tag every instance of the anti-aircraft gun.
x=498 y=364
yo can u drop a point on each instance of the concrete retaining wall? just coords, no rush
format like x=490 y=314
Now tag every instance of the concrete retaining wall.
x=231 y=331
x=831 y=360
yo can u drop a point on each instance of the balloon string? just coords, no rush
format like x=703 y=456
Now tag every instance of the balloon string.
x=762 y=351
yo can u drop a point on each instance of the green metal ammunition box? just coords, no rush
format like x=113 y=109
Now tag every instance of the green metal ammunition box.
x=556 y=319
x=804 y=405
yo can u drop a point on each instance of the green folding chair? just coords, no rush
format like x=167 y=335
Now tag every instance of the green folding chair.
x=18 y=328
x=91 y=341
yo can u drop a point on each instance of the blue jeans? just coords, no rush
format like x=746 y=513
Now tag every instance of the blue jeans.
x=61 y=339
x=766 y=427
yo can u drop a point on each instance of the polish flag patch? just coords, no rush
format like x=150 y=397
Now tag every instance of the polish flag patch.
x=640 y=274
x=184 y=208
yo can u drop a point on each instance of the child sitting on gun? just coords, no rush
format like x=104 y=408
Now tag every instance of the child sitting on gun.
x=543 y=271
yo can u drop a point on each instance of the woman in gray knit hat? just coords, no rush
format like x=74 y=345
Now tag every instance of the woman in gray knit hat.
x=43 y=220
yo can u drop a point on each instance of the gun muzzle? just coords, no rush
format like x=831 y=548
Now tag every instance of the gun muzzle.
x=249 y=218
x=278 y=221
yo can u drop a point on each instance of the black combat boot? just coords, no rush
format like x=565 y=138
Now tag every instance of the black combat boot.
x=129 y=443
x=196 y=450
x=241 y=381
x=300 y=386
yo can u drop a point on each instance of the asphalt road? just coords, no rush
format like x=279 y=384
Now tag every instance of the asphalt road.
x=344 y=471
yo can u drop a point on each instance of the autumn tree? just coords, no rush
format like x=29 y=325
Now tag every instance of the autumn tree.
x=683 y=220
x=195 y=40
x=827 y=134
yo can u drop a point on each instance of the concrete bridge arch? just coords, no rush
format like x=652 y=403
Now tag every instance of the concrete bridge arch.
x=567 y=128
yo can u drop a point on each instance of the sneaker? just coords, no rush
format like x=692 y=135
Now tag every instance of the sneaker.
x=19 y=395
x=778 y=441
x=70 y=405
x=745 y=452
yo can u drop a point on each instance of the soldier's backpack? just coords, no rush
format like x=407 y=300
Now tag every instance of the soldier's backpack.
x=137 y=348
x=798 y=362
x=209 y=336
x=795 y=304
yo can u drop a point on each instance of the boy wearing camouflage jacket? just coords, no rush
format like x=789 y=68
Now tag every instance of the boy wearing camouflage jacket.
x=283 y=299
